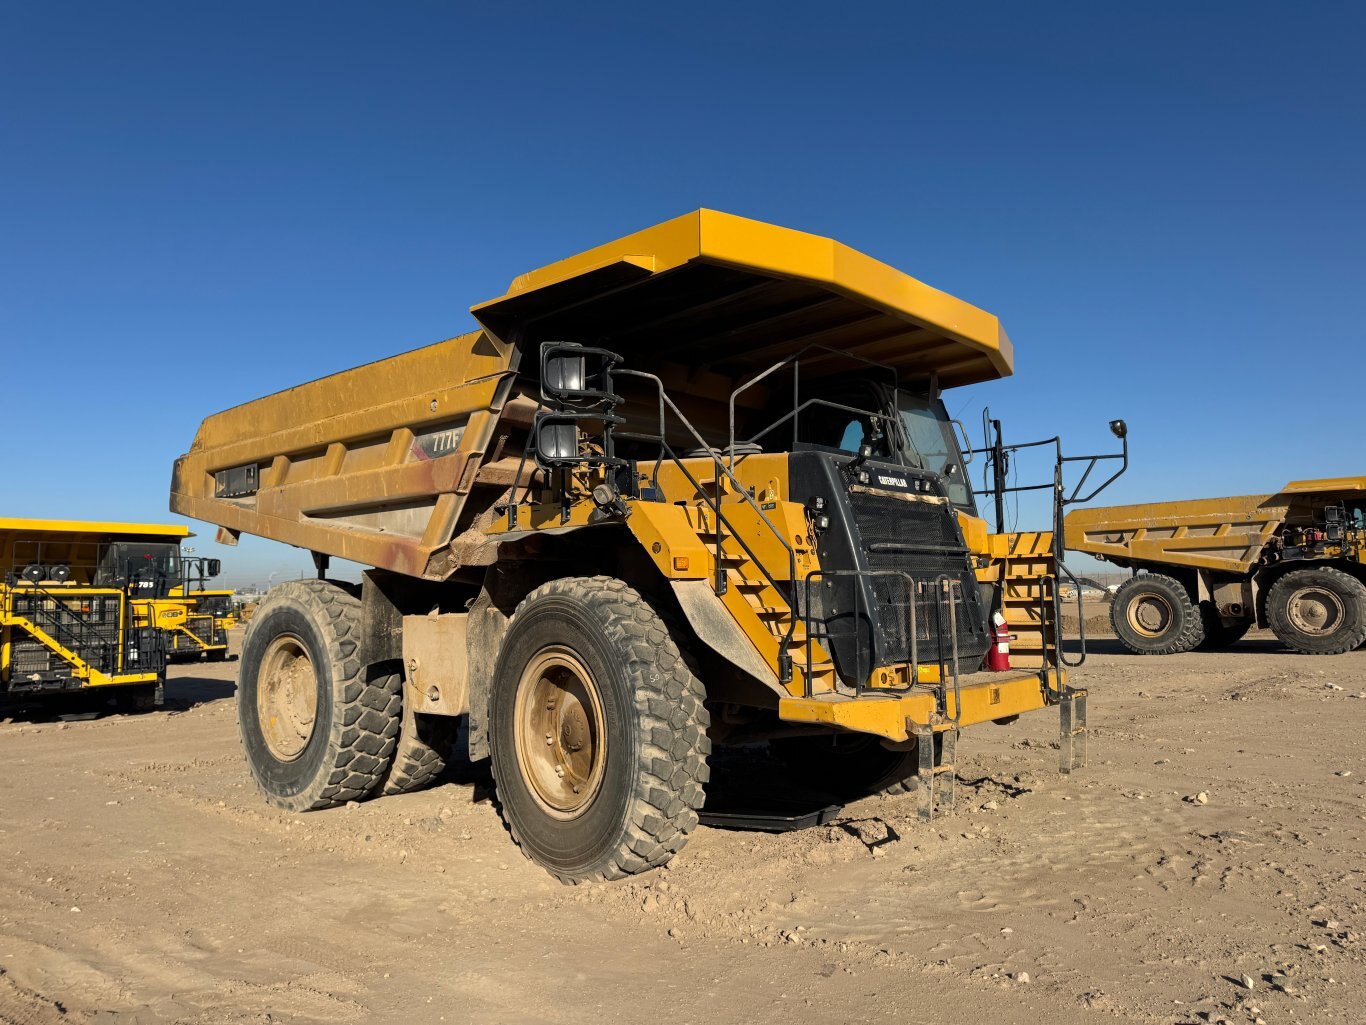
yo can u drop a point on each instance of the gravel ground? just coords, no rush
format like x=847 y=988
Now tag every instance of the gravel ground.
x=1208 y=865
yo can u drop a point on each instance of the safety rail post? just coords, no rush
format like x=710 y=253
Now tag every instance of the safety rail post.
x=667 y=405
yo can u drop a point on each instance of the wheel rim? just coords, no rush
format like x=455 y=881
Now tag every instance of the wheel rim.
x=287 y=698
x=1316 y=611
x=561 y=734
x=1150 y=614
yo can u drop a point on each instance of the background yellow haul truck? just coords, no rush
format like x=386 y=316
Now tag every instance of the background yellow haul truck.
x=1207 y=570
x=209 y=613
x=67 y=617
x=692 y=487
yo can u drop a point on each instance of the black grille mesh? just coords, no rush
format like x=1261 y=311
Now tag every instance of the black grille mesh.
x=201 y=627
x=87 y=625
x=885 y=520
x=929 y=548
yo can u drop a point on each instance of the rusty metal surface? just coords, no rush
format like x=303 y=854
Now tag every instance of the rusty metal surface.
x=435 y=664
x=372 y=464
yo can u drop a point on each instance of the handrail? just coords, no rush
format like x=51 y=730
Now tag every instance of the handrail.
x=913 y=636
x=85 y=636
x=949 y=667
x=796 y=396
x=998 y=459
x=667 y=405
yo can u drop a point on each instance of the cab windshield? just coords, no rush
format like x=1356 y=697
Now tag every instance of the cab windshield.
x=933 y=444
x=859 y=414
x=145 y=570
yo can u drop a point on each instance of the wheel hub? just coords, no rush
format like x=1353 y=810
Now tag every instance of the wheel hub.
x=1150 y=614
x=561 y=735
x=286 y=698
x=1316 y=611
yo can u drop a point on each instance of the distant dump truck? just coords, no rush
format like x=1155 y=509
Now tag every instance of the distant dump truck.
x=209 y=613
x=1211 y=568
x=69 y=616
x=693 y=487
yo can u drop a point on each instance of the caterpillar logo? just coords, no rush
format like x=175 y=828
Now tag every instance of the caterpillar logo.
x=892 y=482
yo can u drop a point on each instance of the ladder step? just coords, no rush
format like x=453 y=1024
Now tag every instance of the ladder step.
x=929 y=772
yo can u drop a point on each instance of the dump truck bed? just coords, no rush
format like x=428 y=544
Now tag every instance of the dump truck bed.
x=1226 y=534
x=378 y=464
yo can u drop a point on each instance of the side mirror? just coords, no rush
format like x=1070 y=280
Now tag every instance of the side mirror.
x=1119 y=429
x=213 y=567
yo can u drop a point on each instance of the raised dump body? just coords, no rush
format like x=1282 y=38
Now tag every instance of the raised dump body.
x=74 y=606
x=696 y=486
x=1209 y=569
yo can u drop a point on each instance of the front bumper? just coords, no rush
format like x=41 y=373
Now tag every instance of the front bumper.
x=986 y=697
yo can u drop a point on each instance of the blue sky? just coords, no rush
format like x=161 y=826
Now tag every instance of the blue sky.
x=200 y=204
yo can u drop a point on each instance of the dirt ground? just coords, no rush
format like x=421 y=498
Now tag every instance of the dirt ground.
x=143 y=879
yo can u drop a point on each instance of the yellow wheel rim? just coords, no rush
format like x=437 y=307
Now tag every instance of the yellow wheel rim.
x=1316 y=611
x=560 y=732
x=286 y=698
x=1149 y=614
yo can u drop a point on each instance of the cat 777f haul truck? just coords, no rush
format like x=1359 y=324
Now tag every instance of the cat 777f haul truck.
x=693 y=487
x=1207 y=570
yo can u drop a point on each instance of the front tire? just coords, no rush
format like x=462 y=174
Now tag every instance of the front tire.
x=318 y=726
x=597 y=732
x=1153 y=615
x=1319 y=611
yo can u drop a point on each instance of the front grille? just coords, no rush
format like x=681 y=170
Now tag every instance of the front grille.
x=145 y=651
x=202 y=628
x=30 y=657
x=884 y=520
x=921 y=539
x=87 y=625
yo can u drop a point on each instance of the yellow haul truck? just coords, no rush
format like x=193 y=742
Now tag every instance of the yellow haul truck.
x=209 y=614
x=1207 y=570
x=152 y=570
x=67 y=611
x=696 y=486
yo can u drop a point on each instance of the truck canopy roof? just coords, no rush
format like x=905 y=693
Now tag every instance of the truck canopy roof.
x=91 y=530
x=734 y=295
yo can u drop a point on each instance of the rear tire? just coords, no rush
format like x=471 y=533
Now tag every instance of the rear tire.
x=1319 y=611
x=852 y=765
x=597 y=732
x=1218 y=634
x=318 y=726
x=424 y=744
x=1153 y=615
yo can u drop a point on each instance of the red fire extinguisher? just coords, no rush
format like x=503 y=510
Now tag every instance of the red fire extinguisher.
x=998 y=655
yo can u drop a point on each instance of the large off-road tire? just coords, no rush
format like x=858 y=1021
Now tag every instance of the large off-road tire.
x=1153 y=615
x=424 y=744
x=597 y=731
x=1319 y=611
x=318 y=727
x=1218 y=634
x=851 y=765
